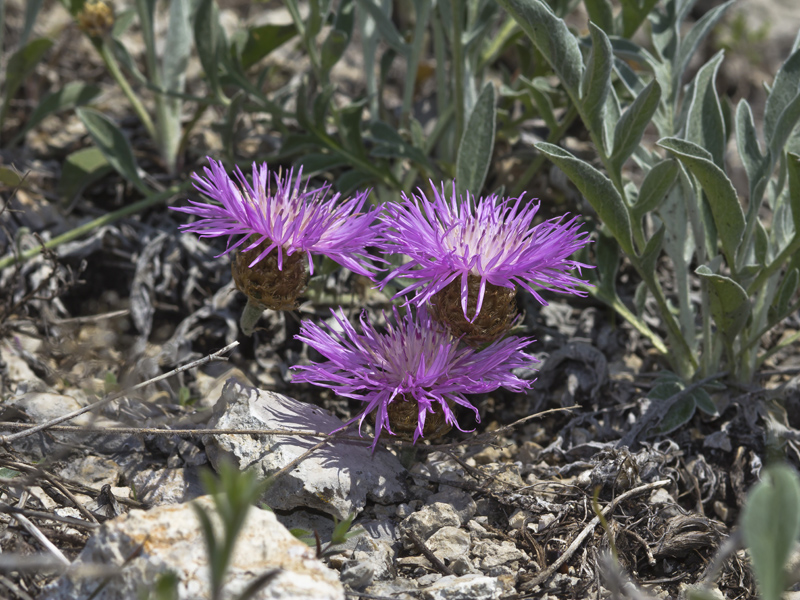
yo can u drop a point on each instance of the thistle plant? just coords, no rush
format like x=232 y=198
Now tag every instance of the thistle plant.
x=278 y=229
x=686 y=206
x=413 y=375
x=468 y=256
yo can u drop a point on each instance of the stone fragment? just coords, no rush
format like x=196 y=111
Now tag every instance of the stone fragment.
x=337 y=478
x=460 y=500
x=427 y=520
x=448 y=543
x=157 y=487
x=493 y=553
x=465 y=587
x=92 y=471
x=145 y=544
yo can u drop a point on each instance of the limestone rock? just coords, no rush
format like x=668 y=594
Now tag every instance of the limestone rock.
x=145 y=544
x=337 y=478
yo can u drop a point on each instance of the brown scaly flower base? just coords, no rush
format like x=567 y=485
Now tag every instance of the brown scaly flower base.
x=404 y=415
x=496 y=317
x=264 y=284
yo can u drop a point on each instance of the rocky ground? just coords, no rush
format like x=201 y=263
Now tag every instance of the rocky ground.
x=97 y=506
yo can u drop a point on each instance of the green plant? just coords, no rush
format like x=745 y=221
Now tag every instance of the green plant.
x=686 y=206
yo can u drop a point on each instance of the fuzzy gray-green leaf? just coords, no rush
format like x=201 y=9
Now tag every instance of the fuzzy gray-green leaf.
x=793 y=163
x=113 y=144
x=705 y=125
x=784 y=90
x=747 y=144
x=552 y=38
x=601 y=13
x=597 y=189
x=477 y=144
x=780 y=305
x=655 y=186
x=206 y=40
x=770 y=526
x=730 y=305
x=596 y=80
x=630 y=128
x=689 y=44
x=721 y=195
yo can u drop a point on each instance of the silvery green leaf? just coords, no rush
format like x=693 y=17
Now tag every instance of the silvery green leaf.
x=596 y=81
x=20 y=65
x=126 y=60
x=677 y=415
x=177 y=47
x=628 y=77
x=611 y=116
x=113 y=144
x=725 y=208
x=597 y=189
x=664 y=30
x=770 y=526
x=730 y=305
x=784 y=91
x=601 y=13
x=206 y=40
x=631 y=125
x=761 y=244
x=477 y=144
x=689 y=44
x=704 y=401
x=339 y=36
x=783 y=129
x=539 y=91
x=793 y=164
x=75 y=93
x=678 y=243
x=385 y=26
x=552 y=38
x=780 y=304
x=704 y=124
x=633 y=15
x=748 y=146
x=655 y=186
x=652 y=249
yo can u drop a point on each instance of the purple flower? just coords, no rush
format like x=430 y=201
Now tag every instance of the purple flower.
x=491 y=239
x=289 y=216
x=415 y=361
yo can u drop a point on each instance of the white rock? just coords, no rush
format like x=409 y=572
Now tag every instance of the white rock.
x=466 y=587
x=337 y=478
x=448 y=543
x=168 y=538
x=427 y=520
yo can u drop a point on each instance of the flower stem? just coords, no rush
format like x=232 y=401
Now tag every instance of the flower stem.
x=250 y=316
x=138 y=107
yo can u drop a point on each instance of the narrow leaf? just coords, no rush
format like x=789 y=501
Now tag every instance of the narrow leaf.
x=73 y=94
x=601 y=13
x=113 y=144
x=780 y=305
x=206 y=40
x=388 y=31
x=20 y=65
x=730 y=305
x=689 y=44
x=263 y=40
x=597 y=189
x=793 y=163
x=655 y=186
x=784 y=90
x=477 y=144
x=596 y=80
x=552 y=38
x=81 y=169
x=721 y=195
x=749 y=149
x=770 y=526
x=631 y=126
x=704 y=125
x=677 y=415
x=652 y=249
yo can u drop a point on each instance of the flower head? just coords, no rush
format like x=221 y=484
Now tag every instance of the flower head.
x=416 y=365
x=490 y=241
x=282 y=215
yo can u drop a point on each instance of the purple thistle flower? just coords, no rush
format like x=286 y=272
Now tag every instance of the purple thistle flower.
x=416 y=360
x=491 y=239
x=289 y=216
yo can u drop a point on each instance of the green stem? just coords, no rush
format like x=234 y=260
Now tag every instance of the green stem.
x=308 y=44
x=631 y=318
x=250 y=315
x=421 y=24
x=138 y=107
x=458 y=67
x=553 y=137
x=74 y=234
